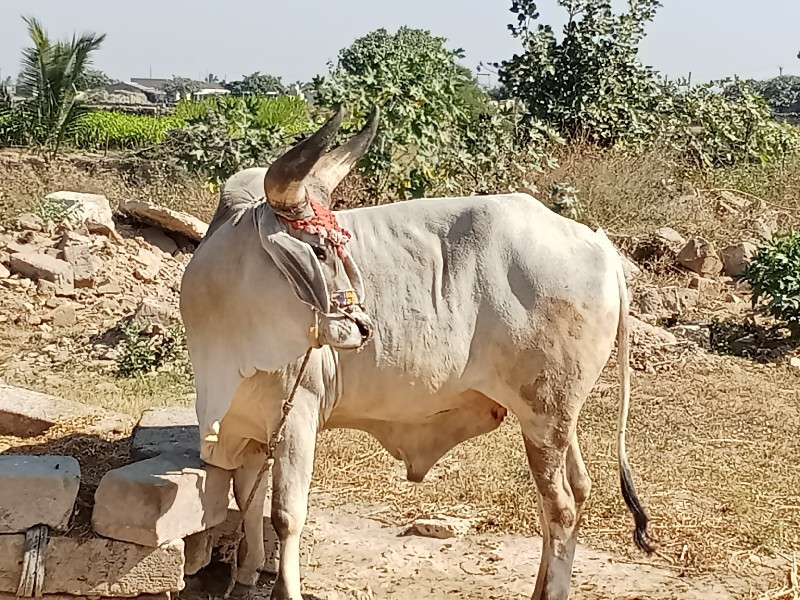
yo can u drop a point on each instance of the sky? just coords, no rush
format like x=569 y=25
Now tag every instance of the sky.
x=708 y=38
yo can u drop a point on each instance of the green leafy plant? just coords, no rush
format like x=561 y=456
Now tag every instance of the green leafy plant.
x=143 y=353
x=423 y=96
x=115 y=130
x=48 y=210
x=774 y=275
x=590 y=83
x=220 y=142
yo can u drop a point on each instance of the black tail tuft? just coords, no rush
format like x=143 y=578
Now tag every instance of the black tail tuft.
x=640 y=535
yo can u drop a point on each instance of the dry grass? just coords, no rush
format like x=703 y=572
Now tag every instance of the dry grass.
x=26 y=179
x=635 y=195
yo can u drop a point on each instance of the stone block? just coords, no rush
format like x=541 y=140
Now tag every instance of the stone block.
x=168 y=219
x=97 y=567
x=166 y=429
x=175 y=495
x=37 y=490
x=85 y=208
x=36 y=266
x=25 y=413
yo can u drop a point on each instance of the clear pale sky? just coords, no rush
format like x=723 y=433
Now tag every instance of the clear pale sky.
x=710 y=38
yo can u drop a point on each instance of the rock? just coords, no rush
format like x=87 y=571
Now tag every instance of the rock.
x=701 y=283
x=150 y=311
x=156 y=237
x=665 y=242
x=175 y=494
x=85 y=208
x=795 y=362
x=30 y=222
x=700 y=256
x=4 y=272
x=199 y=548
x=731 y=203
x=41 y=266
x=37 y=490
x=97 y=567
x=171 y=220
x=106 y=230
x=166 y=429
x=697 y=334
x=109 y=288
x=736 y=257
x=665 y=303
x=85 y=266
x=645 y=333
x=61 y=316
x=25 y=413
x=151 y=264
x=440 y=528
x=670 y=238
x=765 y=225
x=630 y=268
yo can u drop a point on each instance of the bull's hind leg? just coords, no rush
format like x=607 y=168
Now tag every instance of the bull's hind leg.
x=294 y=463
x=548 y=422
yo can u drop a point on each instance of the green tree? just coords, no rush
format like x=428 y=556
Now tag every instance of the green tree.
x=423 y=97
x=94 y=78
x=52 y=72
x=256 y=84
x=590 y=84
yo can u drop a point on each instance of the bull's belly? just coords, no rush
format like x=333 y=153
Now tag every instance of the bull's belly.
x=419 y=427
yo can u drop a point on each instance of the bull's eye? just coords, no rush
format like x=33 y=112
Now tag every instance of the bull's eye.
x=320 y=253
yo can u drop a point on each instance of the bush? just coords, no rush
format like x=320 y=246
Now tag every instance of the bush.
x=774 y=274
x=421 y=90
x=225 y=139
x=142 y=353
x=102 y=129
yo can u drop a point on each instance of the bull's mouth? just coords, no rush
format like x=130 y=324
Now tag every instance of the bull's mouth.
x=346 y=332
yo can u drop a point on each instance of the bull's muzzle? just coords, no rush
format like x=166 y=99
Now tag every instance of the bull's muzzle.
x=346 y=331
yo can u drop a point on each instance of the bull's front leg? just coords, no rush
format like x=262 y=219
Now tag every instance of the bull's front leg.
x=294 y=463
x=251 y=551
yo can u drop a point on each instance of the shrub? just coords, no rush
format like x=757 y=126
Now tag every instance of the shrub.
x=774 y=274
x=142 y=353
x=420 y=88
x=223 y=140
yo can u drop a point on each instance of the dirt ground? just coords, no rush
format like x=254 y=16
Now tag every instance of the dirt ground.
x=347 y=555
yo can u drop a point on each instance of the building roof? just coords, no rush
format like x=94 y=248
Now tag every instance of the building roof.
x=160 y=84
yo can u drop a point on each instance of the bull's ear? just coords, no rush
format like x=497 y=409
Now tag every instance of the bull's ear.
x=297 y=262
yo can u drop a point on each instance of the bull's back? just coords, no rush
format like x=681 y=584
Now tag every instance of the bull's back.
x=457 y=287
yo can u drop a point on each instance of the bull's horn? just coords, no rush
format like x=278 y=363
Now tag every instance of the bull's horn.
x=336 y=164
x=283 y=183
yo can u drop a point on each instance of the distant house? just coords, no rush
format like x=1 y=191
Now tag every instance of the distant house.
x=159 y=86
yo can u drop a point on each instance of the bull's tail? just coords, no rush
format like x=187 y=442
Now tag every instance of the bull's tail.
x=640 y=535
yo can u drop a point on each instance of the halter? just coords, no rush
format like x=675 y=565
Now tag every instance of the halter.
x=324 y=225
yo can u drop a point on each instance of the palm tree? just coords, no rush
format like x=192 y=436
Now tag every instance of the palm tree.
x=52 y=74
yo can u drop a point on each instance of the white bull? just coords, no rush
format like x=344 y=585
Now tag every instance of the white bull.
x=465 y=309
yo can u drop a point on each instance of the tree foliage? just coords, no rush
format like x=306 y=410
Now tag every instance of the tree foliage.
x=94 y=78
x=52 y=72
x=256 y=84
x=590 y=84
x=436 y=127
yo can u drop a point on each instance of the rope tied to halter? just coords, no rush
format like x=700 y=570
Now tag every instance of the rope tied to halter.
x=229 y=546
x=323 y=224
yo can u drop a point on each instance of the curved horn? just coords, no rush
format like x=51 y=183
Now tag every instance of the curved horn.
x=336 y=164
x=283 y=183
